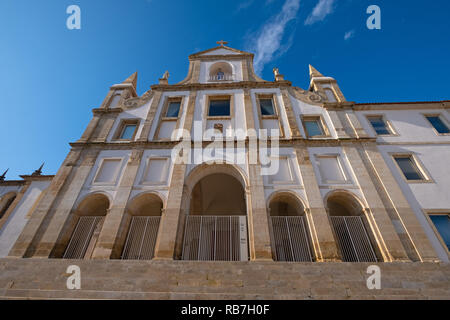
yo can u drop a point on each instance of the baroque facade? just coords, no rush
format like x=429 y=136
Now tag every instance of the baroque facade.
x=355 y=184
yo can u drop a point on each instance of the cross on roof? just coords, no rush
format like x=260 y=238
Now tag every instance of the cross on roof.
x=221 y=42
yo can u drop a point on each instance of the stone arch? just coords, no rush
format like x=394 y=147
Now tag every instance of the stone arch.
x=139 y=227
x=295 y=205
x=221 y=70
x=215 y=204
x=290 y=235
x=5 y=202
x=83 y=227
x=352 y=230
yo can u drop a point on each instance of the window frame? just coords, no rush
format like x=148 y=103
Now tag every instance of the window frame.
x=442 y=118
x=116 y=173
x=121 y=128
x=417 y=163
x=322 y=124
x=164 y=118
x=210 y=98
x=390 y=128
x=276 y=116
x=345 y=174
x=290 y=169
x=145 y=171
x=438 y=212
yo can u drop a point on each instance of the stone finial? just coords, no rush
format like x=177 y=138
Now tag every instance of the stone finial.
x=38 y=172
x=132 y=79
x=165 y=78
x=278 y=76
x=314 y=73
x=2 y=177
x=221 y=42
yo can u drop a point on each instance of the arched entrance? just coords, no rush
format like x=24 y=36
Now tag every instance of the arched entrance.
x=86 y=224
x=142 y=220
x=352 y=231
x=290 y=236
x=216 y=223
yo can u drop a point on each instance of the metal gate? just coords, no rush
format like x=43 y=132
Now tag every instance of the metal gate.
x=353 y=239
x=82 y=236
x=141 y=238
x=215 y=238
x=291 y=239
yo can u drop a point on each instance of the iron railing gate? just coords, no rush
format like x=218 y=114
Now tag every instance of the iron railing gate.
x=215 y=238
x=291 y=239
x=141 y=238
x=353 y=239
x=81 y=236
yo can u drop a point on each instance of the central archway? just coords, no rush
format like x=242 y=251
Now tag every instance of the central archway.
x=216 y=220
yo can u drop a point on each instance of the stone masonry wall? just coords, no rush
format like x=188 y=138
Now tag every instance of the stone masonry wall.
x=159 y=279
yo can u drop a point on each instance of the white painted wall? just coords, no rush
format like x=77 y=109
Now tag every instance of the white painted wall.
x=17 y=220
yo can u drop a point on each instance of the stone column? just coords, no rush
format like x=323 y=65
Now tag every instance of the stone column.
x=150 y=116
x=109 y=232
x=409 y=229
x=338 y=124
x=42 y=210
x=258 y=229
x=323 y=239
x=293 y=124
x=167 y=234
x=105 y=125
x=387 y=238
x=64 y=205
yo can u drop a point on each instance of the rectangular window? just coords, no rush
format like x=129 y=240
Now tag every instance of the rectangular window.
x=266 y=105
x=330 y=169
x=438 y=124
x=379 y=125
x=127 y=129
x=314 y=127
x=108 y=171
x=219 y=108
x=173 y=109
x=284 y=171
x=409 y=168
x=442 y=224
x=156 y=170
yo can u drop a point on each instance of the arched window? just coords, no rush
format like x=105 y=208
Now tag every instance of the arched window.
x=142 y=218
x=221 y=71
x=289 y=229
x=216 y=226
x=87 y=220
x=352 y=231
x=6 y=201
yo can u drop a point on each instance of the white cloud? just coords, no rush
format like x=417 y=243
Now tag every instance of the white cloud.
x=244 y=5
x=268 y=41
x=320 y=11
x=349 y=34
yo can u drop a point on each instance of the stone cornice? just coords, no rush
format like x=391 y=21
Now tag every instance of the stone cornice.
x=227 y=85
x=106 y=110
x=37 y=178
x=445 y=104
x=7 y=183
x=239 y=56
x=166 y=144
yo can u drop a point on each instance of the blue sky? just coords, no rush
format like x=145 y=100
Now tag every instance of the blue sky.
x=52 y=77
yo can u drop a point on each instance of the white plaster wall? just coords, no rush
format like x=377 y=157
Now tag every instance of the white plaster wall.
x=425 y=196
x=302 y=108
x=282 y=112
x=7 y=189
x=236 y=65
x=410 y=125
x=17 y=220
x=138 y=113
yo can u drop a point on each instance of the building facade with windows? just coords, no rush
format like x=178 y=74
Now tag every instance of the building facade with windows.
x=172 y=179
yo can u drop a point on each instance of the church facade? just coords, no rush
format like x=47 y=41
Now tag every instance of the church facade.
x=227 y=171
